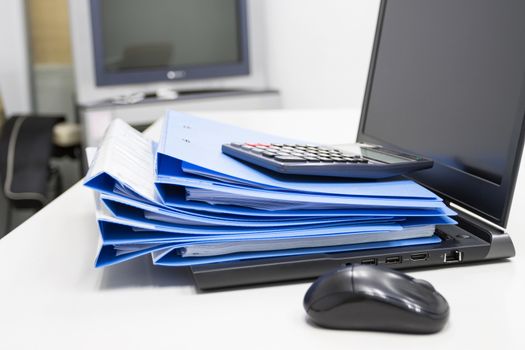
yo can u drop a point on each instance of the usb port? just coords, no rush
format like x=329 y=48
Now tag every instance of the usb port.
x=370 y=261
x=453 y=256
x=419 y=257
x=393 y=260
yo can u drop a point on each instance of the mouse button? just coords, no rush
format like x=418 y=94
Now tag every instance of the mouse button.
x=371 y=280
x=394 y=287
x=437 y=305
x=424 y=283
x=339 y=281
x=334 y=300
x=419 y=298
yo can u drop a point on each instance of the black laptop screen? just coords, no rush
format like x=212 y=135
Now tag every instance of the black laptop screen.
x=447 y=82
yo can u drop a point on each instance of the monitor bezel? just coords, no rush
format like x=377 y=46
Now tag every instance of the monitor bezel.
x=168 y=73
x=509 y=177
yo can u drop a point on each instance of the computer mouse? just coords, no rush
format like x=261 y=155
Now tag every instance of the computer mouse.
x=366 y=297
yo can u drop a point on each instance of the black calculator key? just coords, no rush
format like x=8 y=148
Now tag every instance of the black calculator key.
x=268 y=154
x=351 y=160
x=246 y=147
x=237 y=144
x=277 y=144
x=289 y=159
x=257 y=151
x=312 y=159
x=325 y=159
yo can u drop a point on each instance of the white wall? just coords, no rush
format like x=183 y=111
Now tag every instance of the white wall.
x=54 y=89
x=15 y=78
x=318 y=51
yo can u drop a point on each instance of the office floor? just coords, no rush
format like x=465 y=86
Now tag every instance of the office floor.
x=70 y=171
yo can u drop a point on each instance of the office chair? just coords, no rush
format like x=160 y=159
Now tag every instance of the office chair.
x=26 y=148
x=2 y=113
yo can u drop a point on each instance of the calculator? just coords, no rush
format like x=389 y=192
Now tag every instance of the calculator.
x=360 y=161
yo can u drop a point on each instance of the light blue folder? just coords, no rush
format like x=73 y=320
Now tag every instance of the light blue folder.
x=171 y=256
x=169 y=186
x=195 y=143
x=116 y=234
x=122 y=231
x=179 y=204
x=136 y=213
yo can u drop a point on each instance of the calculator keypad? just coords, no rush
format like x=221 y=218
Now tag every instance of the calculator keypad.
x=289 y=153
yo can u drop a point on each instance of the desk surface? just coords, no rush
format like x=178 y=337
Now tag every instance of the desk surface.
x=51 y=296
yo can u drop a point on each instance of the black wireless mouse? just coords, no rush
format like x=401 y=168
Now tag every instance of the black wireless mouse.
x=375 y=298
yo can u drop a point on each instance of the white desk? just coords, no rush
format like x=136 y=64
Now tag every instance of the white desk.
x=51 y=297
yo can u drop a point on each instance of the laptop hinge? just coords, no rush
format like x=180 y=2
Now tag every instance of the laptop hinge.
x=473 y=216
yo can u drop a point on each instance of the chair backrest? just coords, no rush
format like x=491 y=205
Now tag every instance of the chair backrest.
x=2 y=112
x=25 y=150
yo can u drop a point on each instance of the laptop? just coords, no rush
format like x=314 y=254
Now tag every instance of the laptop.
x=446 y=81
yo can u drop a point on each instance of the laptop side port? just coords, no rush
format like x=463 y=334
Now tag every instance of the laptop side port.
x=453 y=256
x=419 y=257
x=393 y=260
x=371 y=261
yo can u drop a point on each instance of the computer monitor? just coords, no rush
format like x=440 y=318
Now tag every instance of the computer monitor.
x=138 y=41
x=447 y=81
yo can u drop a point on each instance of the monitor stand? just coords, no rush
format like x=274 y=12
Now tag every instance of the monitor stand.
x=167 y=94
x=143 y=108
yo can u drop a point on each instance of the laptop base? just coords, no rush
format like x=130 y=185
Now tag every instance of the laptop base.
x=469 y=241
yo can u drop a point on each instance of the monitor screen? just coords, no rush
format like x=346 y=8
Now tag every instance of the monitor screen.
x=140 y=41
x=447 y=82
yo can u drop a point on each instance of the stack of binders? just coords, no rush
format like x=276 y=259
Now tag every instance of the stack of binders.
x=184 y=202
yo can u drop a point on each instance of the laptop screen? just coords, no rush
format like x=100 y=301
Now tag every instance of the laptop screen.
x=447 y=82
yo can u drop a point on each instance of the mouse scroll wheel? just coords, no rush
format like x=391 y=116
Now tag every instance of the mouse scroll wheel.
x=424 y=283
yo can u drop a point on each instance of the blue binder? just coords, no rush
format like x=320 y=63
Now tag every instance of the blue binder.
x=179 y=201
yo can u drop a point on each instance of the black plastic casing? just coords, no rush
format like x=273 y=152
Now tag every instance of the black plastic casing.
x=374 y=298
x=374 y=170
